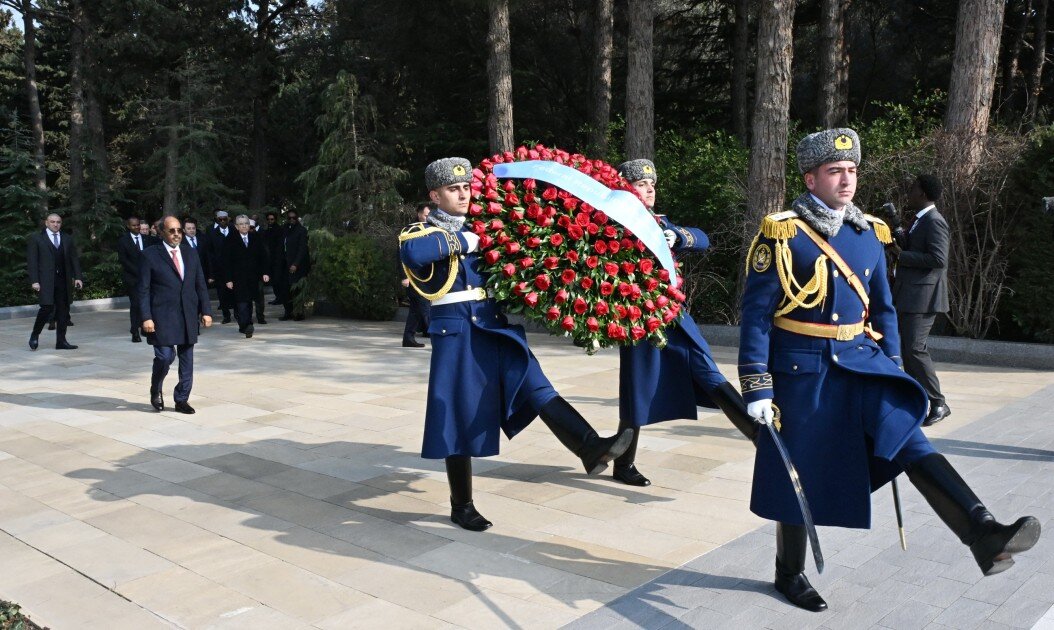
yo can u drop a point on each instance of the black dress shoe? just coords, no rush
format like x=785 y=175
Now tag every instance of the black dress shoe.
x=183 y=407
x=226 y=319
x=137 y=338
x=261 y=320
x=51 y=325
x=33 y=343
x=630 y=476
x=798 y=591
x=298 y=318
x=466 y=517
x=285 y=318
x=157 y=401
x=410 y=343
x=69 y=323
x=249 y=330
x=937 y=413
x=65 y=345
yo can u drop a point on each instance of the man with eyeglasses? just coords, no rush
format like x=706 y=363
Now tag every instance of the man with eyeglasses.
x=244 y=267
x=54 y=270
x=217 y=236
x=173 y=298
x=129 y=250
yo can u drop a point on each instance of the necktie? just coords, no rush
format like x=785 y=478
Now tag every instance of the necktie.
x=245 y=239
x=175 y=261
x=193 y=242
x=55 y=237
x=138 y=245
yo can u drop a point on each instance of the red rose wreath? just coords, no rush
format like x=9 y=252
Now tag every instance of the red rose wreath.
x=561 y=262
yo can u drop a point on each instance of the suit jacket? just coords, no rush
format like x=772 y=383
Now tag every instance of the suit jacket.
x=214 y=252
x=921 y=284
x=175 y=304
x=40 y=263
x=202 y=239
x=296 y=252
x=245 y=266
x=128 y=255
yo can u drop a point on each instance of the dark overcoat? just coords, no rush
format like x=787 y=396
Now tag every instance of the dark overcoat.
x=175 y=304
x=40 y=264
x=128 y=255
x=245 y=266
x=296 y=253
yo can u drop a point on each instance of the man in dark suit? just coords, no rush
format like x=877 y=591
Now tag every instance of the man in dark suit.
x=297 y=264
x=54 y=270
x=920 y=290
x=245 y=265
x=217 y=236
x=173 y=298
x=129 y=249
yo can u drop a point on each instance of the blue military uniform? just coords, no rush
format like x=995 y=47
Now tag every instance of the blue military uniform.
x=668 y=384
x=829 y=361
x=483 y=376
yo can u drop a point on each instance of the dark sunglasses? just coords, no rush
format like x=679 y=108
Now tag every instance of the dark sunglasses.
x=174 y=230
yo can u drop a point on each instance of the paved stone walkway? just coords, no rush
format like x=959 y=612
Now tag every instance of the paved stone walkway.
x=296 y=498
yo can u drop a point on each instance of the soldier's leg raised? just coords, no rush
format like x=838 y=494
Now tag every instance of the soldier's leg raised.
x=462 y=511
x=992 y=543
x=580 y=438
x=790 y=568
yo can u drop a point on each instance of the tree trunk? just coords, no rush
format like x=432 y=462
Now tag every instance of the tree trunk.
x=499 y=77
x=977 y=32
x=740 y=71
x=1039 y=46
x=640 y=98
x=170 y=204
x=1021 y=9
x=832 y=105
x=77 y=109
x=258 y=186
x=766 y=185
x=600 y=79
x=36 y=119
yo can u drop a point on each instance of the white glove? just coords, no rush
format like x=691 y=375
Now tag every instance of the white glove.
x=761 y=410
x=473 y=241
x=671 y=237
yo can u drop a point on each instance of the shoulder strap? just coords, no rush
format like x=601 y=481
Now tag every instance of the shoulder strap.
x=836 y=258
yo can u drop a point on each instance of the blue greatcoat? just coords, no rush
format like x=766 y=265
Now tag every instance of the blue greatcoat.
x=668 y=384
x=483 y=377
x=850 y=415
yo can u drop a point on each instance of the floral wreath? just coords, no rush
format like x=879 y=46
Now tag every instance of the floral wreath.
x=561 y=262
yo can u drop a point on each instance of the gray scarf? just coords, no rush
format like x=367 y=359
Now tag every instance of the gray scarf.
x=445 y=221
x=826 y=221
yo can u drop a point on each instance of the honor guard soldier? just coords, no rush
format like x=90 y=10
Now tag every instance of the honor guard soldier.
x=667 y=384
x=819 y=341
x=483 y=378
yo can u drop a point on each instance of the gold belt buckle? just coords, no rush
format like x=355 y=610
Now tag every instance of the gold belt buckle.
x=845 y=332
x=481 y=294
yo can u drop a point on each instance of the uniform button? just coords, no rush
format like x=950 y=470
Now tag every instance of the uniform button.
x=468 y=287
x=473 y=318
x=835 y=273
x=462 y=257
x=443 y=331
x=834 y=357
x=863 y=313
x=795 y=368
x=867 y=272
x=834 y=317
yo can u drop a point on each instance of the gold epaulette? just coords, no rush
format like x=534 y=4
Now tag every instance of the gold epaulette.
x=778 y=226
x=881 y=229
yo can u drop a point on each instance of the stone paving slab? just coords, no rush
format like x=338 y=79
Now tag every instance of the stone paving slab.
x=296 y=497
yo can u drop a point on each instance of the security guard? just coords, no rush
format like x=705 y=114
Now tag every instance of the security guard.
x=657 y=385
x=483 y=379
x=819 y=339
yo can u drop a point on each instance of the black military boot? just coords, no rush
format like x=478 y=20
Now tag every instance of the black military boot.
x=575 y=433
x=732 y=405
x=790 y=568
x=991 y=542
x=625 y=470
x=462 y=512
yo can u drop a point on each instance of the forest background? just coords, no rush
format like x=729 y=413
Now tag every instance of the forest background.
x=113 y=108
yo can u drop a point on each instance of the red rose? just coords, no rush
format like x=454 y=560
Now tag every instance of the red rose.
x=496 y=225
x=552 y=314
x=624 y=289
x=601 y=308
x=531 y=299
x=572 y=256
x=634 y=313
x=563 y=221
x=534 y=211
x=551 y=262
x=592 y=324
x=523 y=229
x=635 y=292
x=637 y=333
x=510 y=185
x=646 y=266
x=616 y=332
x=592 y=262
x=592 y=228
x=485 y=241
x=622 y=311
x=641 y=246
x=649 y=305
x=664 y=275
x=545 y=221
x=530 y=184
x=556 y=240
x=542 y=281
x=580 y=306
x=549 y=193
x=568 y=323
x=530 y=198
x=519 y=288
x=610 y=231
x=668 y=316
x=611 y=268
x=600 y=217
x=613 y=246
x=627 y=243
x=606 y=288
x=516 y=215
x=532 y=242
x=503 y=238
x=568 y=276
x=662 y=301
x=570 y=203
x=509 y=270
x=582 y=218
x=492 y=196
x=512 y=200
x=653 y=324
x=491 y=256
x=628 y=268
x=586 y=283
x=526 y=262
x=650 y=284
x=600 y=247
x=575 y=232
x=512 y=247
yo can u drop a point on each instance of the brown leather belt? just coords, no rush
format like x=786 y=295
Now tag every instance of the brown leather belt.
x=841 y=332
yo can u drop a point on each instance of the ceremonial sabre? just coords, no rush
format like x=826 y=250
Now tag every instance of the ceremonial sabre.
x=620 y=205
x=900 y=515
x=799 y=493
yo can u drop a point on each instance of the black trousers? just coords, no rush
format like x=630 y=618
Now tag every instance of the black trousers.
x=59 y=309
x=243 y=314
x=135 y=314
x=226 y=297
x=417 y=318
x=914 y=345
x=260 y=301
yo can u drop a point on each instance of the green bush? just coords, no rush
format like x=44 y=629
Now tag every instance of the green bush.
x=354 y=273
x=11 y=617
